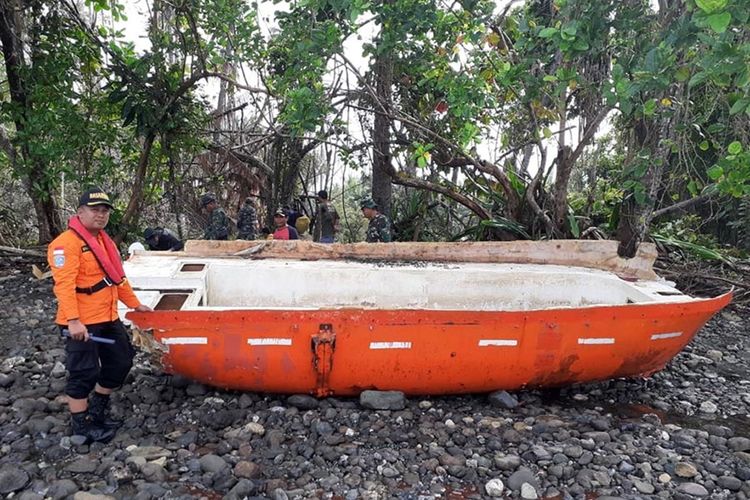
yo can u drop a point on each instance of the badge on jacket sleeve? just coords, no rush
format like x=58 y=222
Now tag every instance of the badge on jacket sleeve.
x=58 y=257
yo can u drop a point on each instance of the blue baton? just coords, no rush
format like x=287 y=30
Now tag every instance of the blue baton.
x=102 y=340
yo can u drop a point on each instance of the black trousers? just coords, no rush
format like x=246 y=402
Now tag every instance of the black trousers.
x=89 y=363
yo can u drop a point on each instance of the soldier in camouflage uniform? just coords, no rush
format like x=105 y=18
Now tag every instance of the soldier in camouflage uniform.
x=379 y=228
x=217 y=227
x=247 y=221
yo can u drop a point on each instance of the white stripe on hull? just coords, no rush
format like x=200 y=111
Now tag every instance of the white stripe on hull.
x=390 y=345
x=185 y=340
x=269 y=341
x=497 y=343
x=595 y=341
x=670 y=335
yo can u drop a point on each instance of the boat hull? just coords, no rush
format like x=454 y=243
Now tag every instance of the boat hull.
x=345 y=351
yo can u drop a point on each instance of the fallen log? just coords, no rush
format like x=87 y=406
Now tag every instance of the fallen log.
x=22 y=251
x=579 y=253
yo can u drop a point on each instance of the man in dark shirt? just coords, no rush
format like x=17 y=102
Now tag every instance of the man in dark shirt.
x=326 y=220
x=161 y=239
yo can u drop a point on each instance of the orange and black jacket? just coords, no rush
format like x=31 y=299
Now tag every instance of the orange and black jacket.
x=74 y=266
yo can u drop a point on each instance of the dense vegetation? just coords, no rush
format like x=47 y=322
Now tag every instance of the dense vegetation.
x=468 y=119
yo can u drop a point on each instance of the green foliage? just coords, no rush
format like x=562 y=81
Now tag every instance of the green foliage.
x=697 y=250
x=679 y=80
x=732 y=172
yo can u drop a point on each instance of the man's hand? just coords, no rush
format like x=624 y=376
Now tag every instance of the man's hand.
x=143 y=308
x=78 y=330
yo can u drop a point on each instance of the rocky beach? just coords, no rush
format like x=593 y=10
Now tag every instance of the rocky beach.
x=683 y=433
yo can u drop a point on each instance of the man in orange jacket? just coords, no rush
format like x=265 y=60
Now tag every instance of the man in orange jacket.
x=89 y=281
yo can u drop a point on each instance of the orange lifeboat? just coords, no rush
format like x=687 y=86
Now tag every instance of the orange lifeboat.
x=300 y=317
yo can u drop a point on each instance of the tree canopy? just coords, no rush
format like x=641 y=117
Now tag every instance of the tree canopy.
x=471 y=119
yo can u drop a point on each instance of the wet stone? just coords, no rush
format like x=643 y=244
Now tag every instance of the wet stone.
x=644 y=487
x=685 y=470
x=729 y=482
x=382 y=400
x=83 y=465
x=502 y=399
x=12 y=479
x=303 y=402
x=248 y=470
x=521 y=476
x=739 y=444
x=693 y=489
x=212 y=463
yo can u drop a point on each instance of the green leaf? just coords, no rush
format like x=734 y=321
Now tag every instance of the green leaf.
x=650 y=107
x=548 y=32
x=715 y=172
x=735 y=148
x=546 y=132
x=640 y=195
x=703 y=146
x=709 y=6
x=682 y=74
x=697 y=79
x=743 y=77
x=581 y=44
x=719 y=22
x=739 y=106
x=692 y=187
x=574 y=229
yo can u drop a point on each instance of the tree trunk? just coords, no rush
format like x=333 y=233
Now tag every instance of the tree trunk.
x=172 y=162
x=130 y=217
x=286 y=156
x=562 y=180
x=635 y=217
x=382 y=170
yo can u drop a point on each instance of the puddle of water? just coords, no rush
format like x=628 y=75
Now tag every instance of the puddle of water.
x=635 y=411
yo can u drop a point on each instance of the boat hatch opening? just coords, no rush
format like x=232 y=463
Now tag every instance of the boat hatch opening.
x=171 y=301
x=669 y=293
x=192 y=268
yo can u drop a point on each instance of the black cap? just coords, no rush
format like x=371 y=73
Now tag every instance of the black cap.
x=280 y=211
x=93 y=197
x=149 y=233
x=323 y=194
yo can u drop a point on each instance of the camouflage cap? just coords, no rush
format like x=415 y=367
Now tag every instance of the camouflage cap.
x=368 y=203
x=207 y=198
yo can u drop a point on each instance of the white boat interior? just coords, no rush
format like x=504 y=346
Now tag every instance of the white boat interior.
x=178 y=282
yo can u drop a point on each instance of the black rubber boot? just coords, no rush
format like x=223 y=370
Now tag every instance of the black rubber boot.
x=99 y=412
x=83 y=426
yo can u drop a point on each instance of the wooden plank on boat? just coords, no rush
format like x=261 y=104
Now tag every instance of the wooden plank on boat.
x=596 y=254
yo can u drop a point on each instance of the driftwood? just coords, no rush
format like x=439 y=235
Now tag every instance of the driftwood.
x=579 y=253
x=701 y=278
x=39 y=274
x=21 y=251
